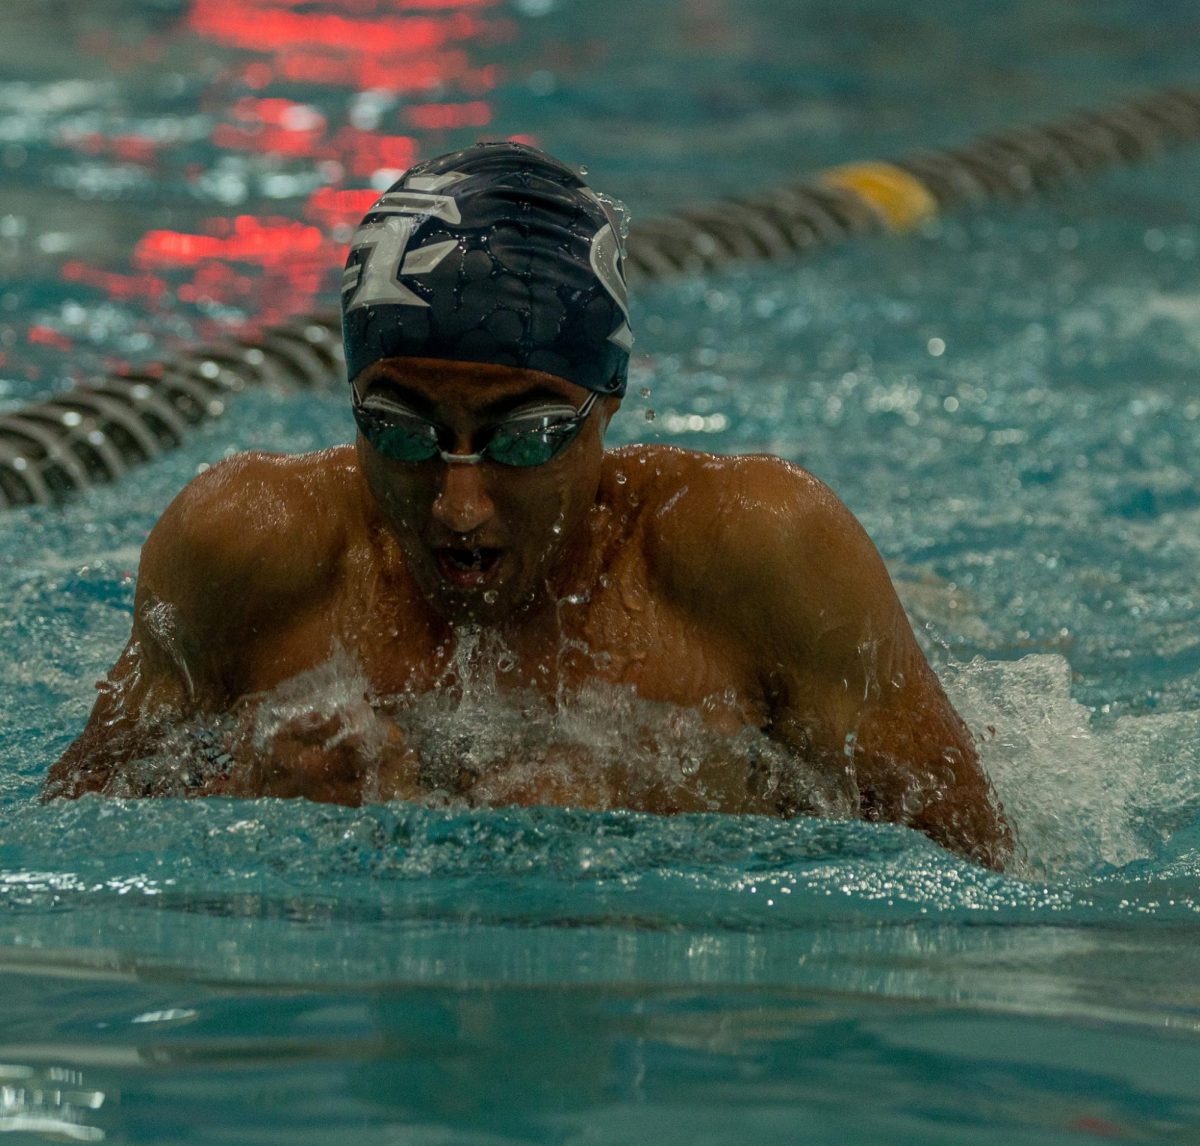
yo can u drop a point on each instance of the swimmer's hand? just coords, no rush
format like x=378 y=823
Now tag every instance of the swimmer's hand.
x=351 y=755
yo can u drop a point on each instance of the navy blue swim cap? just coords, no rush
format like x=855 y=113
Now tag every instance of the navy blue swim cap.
x=499 y=254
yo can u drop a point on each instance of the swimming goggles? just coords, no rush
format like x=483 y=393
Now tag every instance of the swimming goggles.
x=529 y=438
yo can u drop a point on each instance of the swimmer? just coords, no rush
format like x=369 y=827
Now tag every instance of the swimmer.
x=487 y=344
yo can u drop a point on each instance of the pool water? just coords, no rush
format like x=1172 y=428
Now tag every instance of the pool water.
x=1005 y=399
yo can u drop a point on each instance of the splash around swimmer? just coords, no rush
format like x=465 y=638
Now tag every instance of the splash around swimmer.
x=478 y=529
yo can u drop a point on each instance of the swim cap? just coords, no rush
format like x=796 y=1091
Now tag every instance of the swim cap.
x=498 y=253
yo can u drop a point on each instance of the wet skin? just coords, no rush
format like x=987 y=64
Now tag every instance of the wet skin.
x=736 y=587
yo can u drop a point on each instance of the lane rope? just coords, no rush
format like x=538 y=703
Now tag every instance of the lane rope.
x=92 y=434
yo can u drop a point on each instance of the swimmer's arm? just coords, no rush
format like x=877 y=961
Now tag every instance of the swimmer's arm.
x=203 y=570
x=344 y=756
x=807 y=596
x=219 y=579
x=847 y=679
x=139 y=703
x=162 y=677
x=905 y=751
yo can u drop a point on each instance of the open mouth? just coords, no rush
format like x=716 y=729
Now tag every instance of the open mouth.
x=467 y=567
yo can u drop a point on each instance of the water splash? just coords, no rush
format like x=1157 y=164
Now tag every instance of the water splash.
x=1084 y=796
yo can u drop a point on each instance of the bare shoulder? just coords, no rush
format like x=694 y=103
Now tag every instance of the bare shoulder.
x=759 y=541
x=254 y=526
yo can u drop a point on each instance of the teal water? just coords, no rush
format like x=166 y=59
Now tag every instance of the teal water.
x=1006 y=400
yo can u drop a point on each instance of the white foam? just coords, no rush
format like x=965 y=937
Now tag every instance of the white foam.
x=1080 y=794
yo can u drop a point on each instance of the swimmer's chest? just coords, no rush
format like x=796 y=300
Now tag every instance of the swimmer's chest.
x=622 y=634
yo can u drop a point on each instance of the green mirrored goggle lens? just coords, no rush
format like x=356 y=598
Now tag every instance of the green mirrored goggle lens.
x=529 y=447
x=522 y=441
x=400 y=438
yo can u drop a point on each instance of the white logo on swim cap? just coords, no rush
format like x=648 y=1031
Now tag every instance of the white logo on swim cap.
x=433 y=182
x=384 y=242
x=418 y=203
x=605 y=259
x=375 y=280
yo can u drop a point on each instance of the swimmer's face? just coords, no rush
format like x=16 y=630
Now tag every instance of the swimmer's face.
x=483 y=541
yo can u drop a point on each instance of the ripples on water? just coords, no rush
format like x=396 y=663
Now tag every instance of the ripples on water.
x=1027 y=485
x=1007 y=401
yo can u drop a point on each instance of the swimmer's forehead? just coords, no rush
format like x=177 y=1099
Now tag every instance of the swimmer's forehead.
x=429 y=383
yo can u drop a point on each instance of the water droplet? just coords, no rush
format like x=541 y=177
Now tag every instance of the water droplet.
x=491 y=596
x=645 y=391
x=650 y=415
x=622 y=477
x=556 y=528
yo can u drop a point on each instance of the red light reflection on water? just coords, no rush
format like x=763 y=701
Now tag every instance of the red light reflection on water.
x=253 y=270
x=404 y=48
x=267 y=267
x=403 y=76
x=283 y=127
x=244 y=239
x=301 y=118
x=45 y=336
x=126 y=148
x=442 y=116
x=268 y=139
x=338 y=210
x=119 y=286
x=365 y=152
x=250 y=25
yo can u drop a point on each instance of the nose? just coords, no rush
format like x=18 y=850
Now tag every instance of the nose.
x=462 y=504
